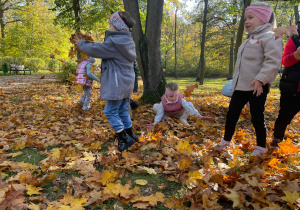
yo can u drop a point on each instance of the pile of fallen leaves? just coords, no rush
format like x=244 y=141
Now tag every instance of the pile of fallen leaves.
x=56 y=156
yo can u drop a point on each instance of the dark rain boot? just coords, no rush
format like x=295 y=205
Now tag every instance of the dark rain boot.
x=133 y=104
x=124 y=141
x=131 y=134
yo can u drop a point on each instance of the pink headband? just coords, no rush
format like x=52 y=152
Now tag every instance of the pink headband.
x=170 y=92
x=118 y=22
x=262 y=12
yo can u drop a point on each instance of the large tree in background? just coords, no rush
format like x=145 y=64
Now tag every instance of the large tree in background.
x=5 y=7
x=148 y=47
x=240 y=32
x=201 y=67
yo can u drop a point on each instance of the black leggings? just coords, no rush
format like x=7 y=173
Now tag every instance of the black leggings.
x=289 y=107
x=257 y=108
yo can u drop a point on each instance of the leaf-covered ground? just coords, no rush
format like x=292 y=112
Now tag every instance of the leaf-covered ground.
x=56 y=156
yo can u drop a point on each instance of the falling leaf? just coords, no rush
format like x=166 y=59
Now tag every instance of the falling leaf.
x=189 y=89
x=57 y=52
x=288 y=31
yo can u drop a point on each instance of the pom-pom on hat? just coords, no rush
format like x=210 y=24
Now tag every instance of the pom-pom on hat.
x=118 y=22
x=262 y=12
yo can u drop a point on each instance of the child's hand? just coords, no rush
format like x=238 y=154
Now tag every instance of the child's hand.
x=76 y=40
x=151 y=125
x=297 y=53
x=205 y=117
x=257 y=87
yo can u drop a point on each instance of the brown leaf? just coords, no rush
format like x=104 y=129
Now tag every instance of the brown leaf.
x=288 y=31
x=189 y=89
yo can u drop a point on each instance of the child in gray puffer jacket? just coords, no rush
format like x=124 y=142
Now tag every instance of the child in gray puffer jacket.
x=117 y=74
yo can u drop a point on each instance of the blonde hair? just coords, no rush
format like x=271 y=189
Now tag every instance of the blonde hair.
x=172 y=86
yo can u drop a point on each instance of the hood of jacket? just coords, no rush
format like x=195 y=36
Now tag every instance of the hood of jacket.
x=123 y=42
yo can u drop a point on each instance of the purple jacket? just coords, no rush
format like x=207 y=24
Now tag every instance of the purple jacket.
x=80 y=75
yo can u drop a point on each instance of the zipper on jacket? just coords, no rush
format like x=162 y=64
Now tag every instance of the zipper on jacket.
x=116 y=78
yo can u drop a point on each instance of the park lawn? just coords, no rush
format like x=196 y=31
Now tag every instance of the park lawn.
x=57 y=156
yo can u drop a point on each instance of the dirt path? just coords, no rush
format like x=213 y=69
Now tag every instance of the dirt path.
x=13 y=81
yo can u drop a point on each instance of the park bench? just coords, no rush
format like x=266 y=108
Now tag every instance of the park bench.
x=16 y=68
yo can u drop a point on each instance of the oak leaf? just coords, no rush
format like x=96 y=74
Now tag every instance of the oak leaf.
x=236 y=198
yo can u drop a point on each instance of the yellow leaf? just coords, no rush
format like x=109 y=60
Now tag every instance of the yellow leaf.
x=78 y=88
x=141 y=182
x=84 y=55
x=19 y=145
x=144 y=169
x=33 y=206
x=109 y=176
x=183 y=146
x=290 y=197
x=32 y=190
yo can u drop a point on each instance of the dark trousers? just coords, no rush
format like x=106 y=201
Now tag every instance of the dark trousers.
x=289 y=107
x=257 y=108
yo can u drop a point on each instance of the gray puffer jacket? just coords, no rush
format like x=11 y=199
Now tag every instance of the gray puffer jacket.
x=118 y=54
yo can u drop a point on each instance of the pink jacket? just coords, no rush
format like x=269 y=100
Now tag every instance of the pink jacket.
x=172 y=108
x=80 y=75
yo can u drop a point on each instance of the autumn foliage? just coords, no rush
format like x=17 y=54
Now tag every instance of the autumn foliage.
x=55 y=156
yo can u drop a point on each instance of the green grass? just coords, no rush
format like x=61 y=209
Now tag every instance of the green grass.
x=211 y=83
x=29 y=155
x=27 y=73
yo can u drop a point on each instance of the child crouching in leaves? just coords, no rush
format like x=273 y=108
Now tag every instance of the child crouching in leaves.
x=85 y=77
x=174 y=105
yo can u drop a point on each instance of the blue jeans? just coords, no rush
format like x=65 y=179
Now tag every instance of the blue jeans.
x=117 y=113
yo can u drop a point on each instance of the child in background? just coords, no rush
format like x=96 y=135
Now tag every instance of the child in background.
x=173 y=105
x=289 y=88
x=256 y=68
x=117 y=74
x=85 y=77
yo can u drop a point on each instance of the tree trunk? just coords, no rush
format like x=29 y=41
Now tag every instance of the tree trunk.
x=296 y=11
x=175 y=44
x=76 y=9
x=202 y=54
x=240 y=32
x=231 y=60
x=2 y=25
x=148 y=48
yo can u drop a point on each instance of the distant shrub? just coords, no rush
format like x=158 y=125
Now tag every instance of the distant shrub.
x=34 y=64
x=68 y=70
x=52 y=64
